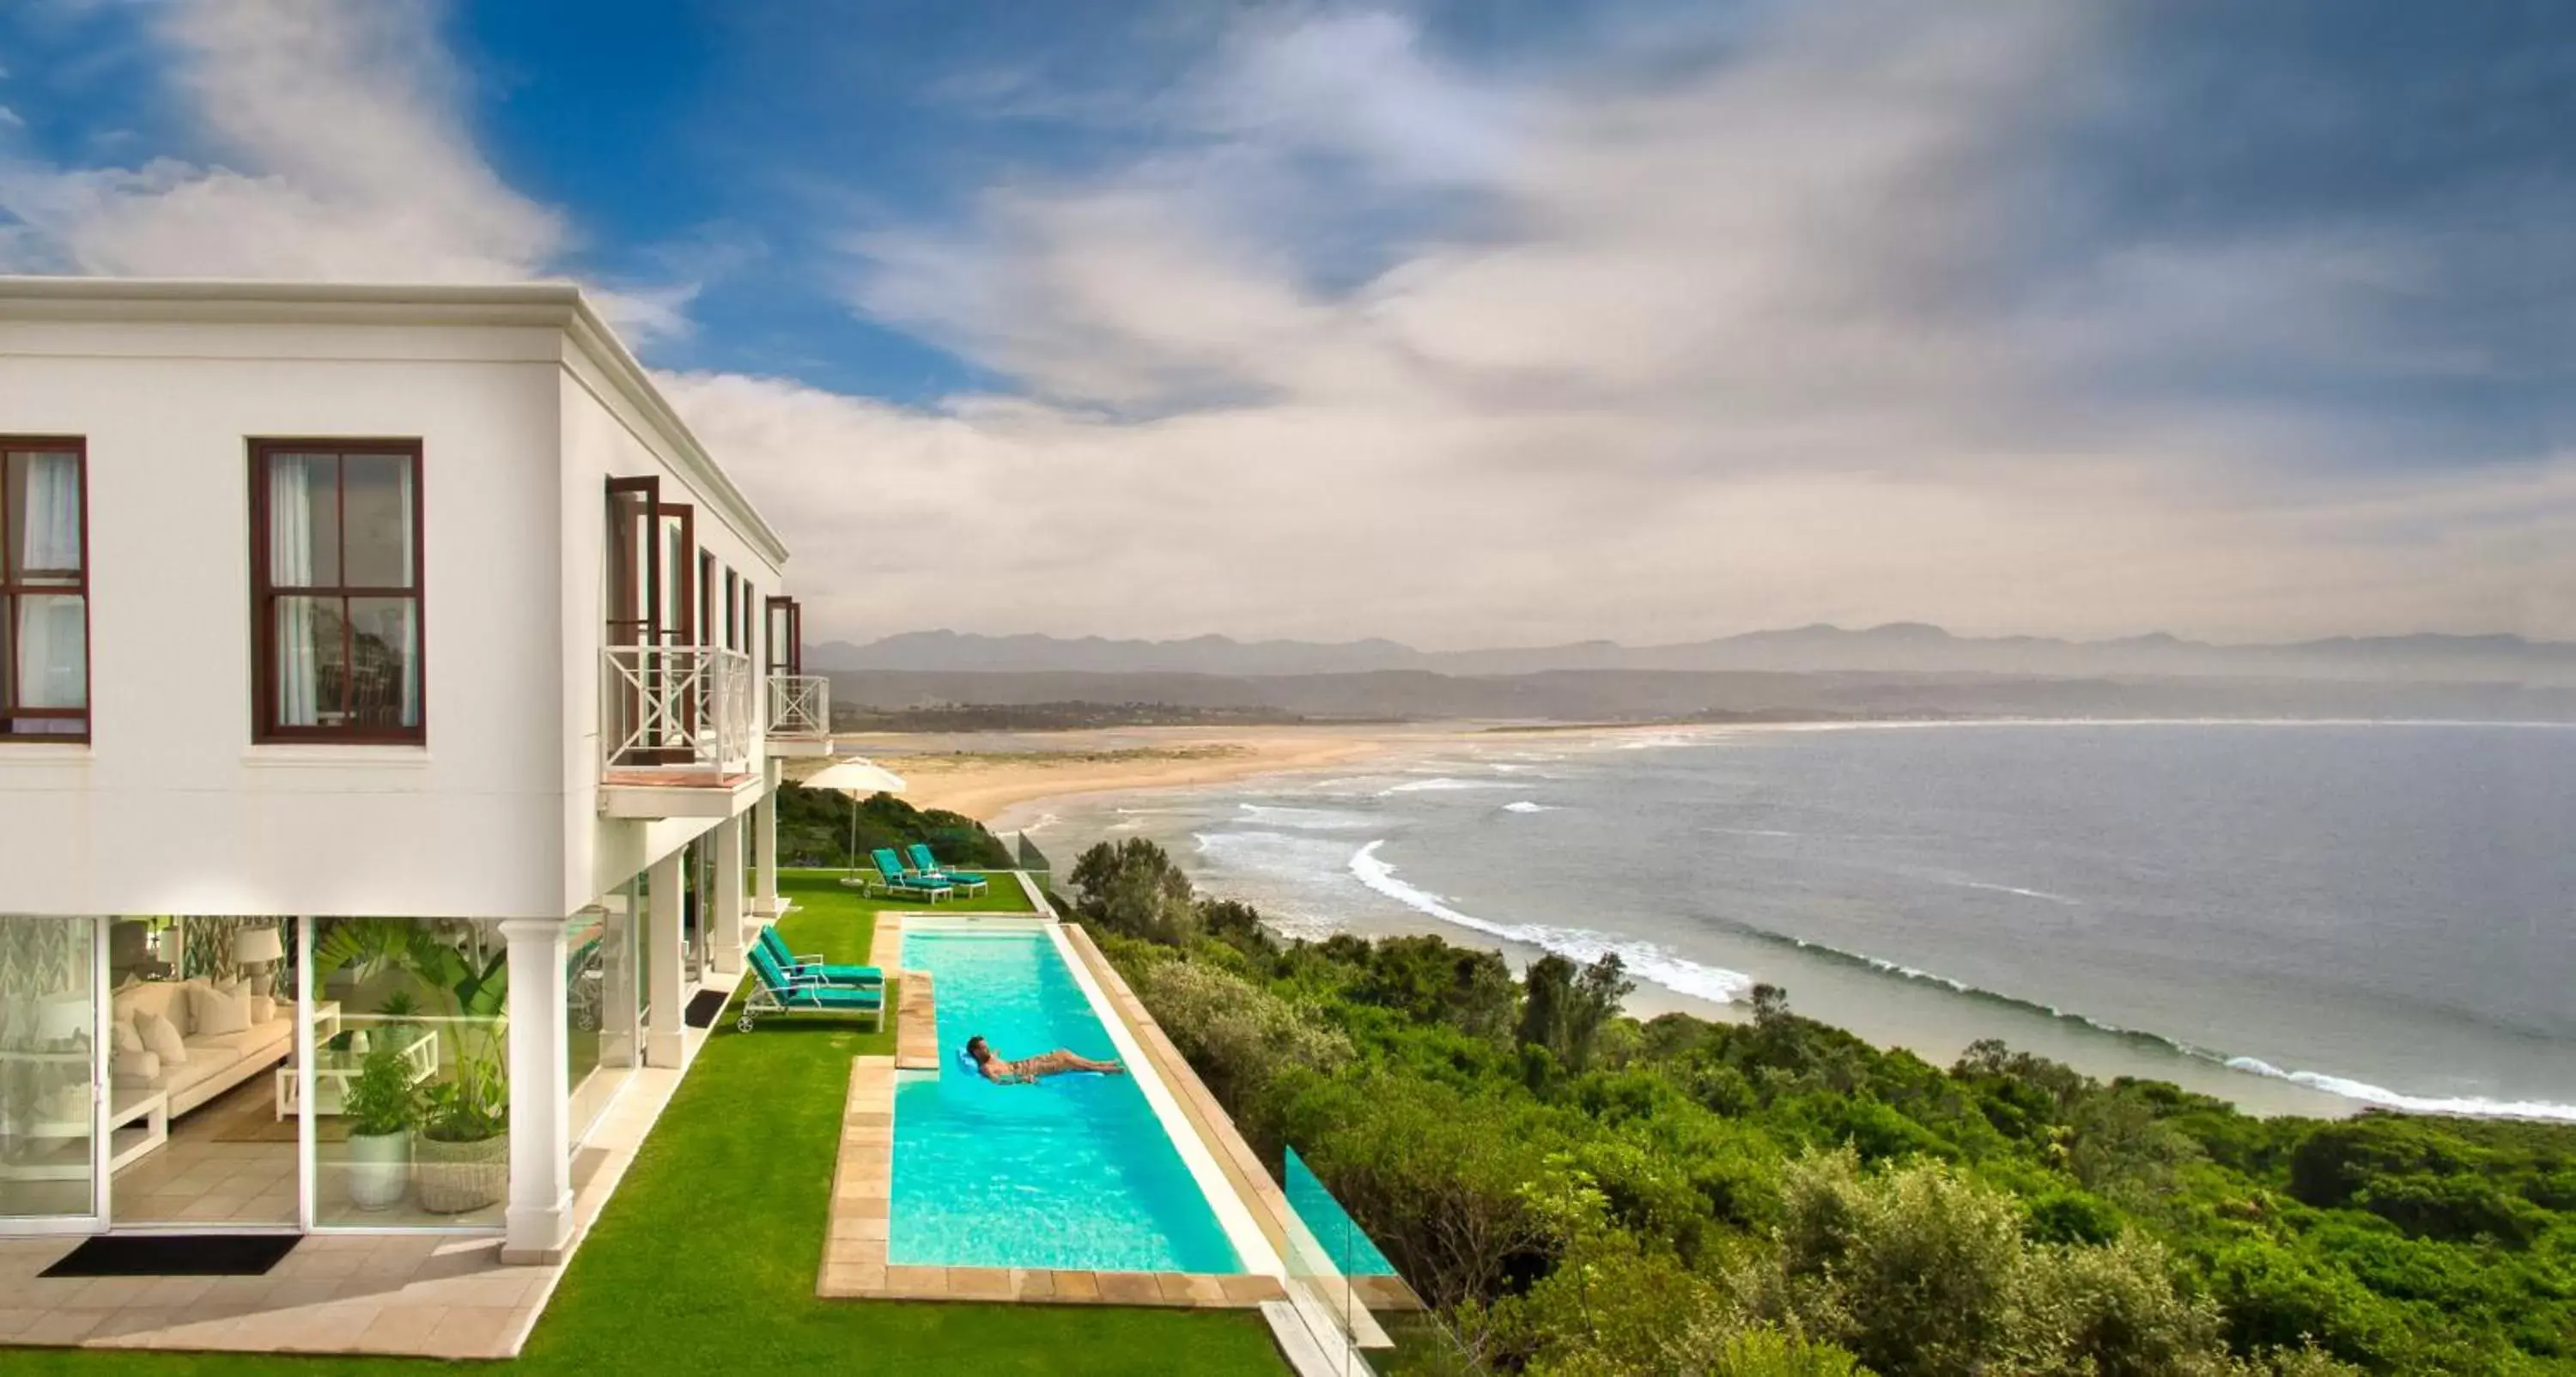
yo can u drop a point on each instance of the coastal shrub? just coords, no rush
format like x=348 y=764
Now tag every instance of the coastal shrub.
x=1435 y=1177
x=814 y=828
x=1916 y=1270
x=1431 y=981
x=2111 y=1310
x=1779 y=1196
x=1133 y=889
x=1564 y=1007
x=1238 y=1035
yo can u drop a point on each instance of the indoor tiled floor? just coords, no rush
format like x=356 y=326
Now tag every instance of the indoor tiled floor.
x=197 y=1178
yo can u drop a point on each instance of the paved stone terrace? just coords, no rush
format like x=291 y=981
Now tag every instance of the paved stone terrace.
x=392 y=1295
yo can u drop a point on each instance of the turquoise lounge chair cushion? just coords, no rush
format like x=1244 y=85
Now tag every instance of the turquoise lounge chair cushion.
x=776 y=947
x=928 y=865
x=892 y=869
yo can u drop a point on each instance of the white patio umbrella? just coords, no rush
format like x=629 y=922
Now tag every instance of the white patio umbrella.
x=858 y=777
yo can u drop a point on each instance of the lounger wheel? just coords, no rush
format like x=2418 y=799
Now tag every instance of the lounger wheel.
x=743 y=1023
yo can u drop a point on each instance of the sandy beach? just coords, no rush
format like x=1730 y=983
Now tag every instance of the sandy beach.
x=983 y=774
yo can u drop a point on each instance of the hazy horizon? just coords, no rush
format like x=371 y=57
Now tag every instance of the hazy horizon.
x=1899 y=624
x=1460 y=324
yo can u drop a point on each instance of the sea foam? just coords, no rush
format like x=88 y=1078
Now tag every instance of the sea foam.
x=1525 y=806
x=2466 y=1105
x=1444 y=784
x=1644 y=960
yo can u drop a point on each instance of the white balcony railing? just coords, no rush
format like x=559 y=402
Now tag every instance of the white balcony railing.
x=800 y=705
x=677 y=707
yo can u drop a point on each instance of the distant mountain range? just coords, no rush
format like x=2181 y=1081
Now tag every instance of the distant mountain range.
x=1897 y=648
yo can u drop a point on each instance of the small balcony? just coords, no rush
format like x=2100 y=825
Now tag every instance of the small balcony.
x=800 y=714
x=675 y=731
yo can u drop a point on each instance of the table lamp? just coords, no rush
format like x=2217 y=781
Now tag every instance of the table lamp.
x=258 y=947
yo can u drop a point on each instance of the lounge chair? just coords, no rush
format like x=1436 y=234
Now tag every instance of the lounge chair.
x=926 y=866
x=858 y=977
x=897 y=882
x=774 y=991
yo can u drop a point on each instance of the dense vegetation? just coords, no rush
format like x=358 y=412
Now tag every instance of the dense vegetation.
x=814 y=830
x=1580 y=1192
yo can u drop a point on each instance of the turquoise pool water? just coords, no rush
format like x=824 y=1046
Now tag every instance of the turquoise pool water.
x=1074 y=1172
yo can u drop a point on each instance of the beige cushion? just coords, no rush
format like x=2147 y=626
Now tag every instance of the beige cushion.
x=127 y=1040
x=262 y=1009
x=167 y=998
x=161 y=1037
x=215 y=1011
x=249 y=1042
x=210 y=1063
x=137 y=1067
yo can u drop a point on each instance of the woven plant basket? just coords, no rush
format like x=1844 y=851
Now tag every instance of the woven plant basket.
x=453 y=1178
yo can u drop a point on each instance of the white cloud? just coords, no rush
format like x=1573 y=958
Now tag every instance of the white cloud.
x=335 y=149
x=1715 y=351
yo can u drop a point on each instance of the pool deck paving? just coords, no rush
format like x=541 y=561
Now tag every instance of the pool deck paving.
x=856 y=1264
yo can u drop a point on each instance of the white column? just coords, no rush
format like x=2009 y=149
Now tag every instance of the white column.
x=662 y=1041
x=540 y=1214
x=724 y=931
x=765 y=847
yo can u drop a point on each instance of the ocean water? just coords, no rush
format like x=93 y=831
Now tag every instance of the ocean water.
x=2298 y=917
x=1073 y=1172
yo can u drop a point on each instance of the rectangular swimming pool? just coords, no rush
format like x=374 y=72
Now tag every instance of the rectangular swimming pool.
x=1075 y=1172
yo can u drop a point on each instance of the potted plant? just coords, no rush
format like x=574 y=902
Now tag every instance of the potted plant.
x=382 y=1104
x=461 y=1155
x=462 y=1161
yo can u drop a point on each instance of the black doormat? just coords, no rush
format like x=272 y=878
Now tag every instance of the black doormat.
x=176 y=1255
x=706 y=1006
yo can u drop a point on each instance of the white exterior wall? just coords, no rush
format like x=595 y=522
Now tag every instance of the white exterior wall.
x=171 y=808
x=522 y=413
x=605 y=436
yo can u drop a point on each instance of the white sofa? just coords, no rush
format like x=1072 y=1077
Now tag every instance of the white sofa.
x=216 y=1062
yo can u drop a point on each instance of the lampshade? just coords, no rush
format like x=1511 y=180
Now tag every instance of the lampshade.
x=254 y=945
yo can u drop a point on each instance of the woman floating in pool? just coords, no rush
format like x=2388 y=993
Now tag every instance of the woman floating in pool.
x=1030 y=1069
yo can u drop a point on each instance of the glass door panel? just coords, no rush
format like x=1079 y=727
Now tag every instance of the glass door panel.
x=202 y=1101
x=49 y=1074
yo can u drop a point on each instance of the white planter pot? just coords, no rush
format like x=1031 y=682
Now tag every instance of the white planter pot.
x=379 y=1169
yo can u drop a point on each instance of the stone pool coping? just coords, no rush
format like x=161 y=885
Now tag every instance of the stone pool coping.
x=855 y=1261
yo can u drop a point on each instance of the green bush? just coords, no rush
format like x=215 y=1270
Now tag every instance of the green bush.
x=1579 y=1192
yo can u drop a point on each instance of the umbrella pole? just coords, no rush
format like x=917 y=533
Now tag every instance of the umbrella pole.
x=854 y=832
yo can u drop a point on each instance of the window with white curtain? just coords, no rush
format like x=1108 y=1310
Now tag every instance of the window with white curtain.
x=44 y=591
x=335 y=536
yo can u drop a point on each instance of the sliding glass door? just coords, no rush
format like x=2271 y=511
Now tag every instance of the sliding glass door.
x=50 y=1152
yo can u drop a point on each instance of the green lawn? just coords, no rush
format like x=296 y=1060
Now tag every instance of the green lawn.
x=1002 y=895
x=704 y=1262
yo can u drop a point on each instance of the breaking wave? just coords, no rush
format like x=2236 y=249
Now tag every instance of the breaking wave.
x=2363 y=1091
x=1644 y=960
x=1525 y=806
x=1305 y=819
x=1444 y=784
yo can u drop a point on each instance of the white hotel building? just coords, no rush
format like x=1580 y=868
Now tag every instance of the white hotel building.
x=389 y=683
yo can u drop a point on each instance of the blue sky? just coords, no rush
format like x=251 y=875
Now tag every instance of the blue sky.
x=1465 y=324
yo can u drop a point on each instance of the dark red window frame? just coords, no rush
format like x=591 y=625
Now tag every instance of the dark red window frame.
x=13 y=585
x=265 y=728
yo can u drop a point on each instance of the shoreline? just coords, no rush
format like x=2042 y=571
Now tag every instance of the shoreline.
x=990 y=776
x=1085 y=771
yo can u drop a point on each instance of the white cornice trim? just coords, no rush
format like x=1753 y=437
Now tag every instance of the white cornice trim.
x=559 y=304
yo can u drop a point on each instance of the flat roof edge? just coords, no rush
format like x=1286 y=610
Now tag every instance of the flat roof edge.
x=253 y=300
